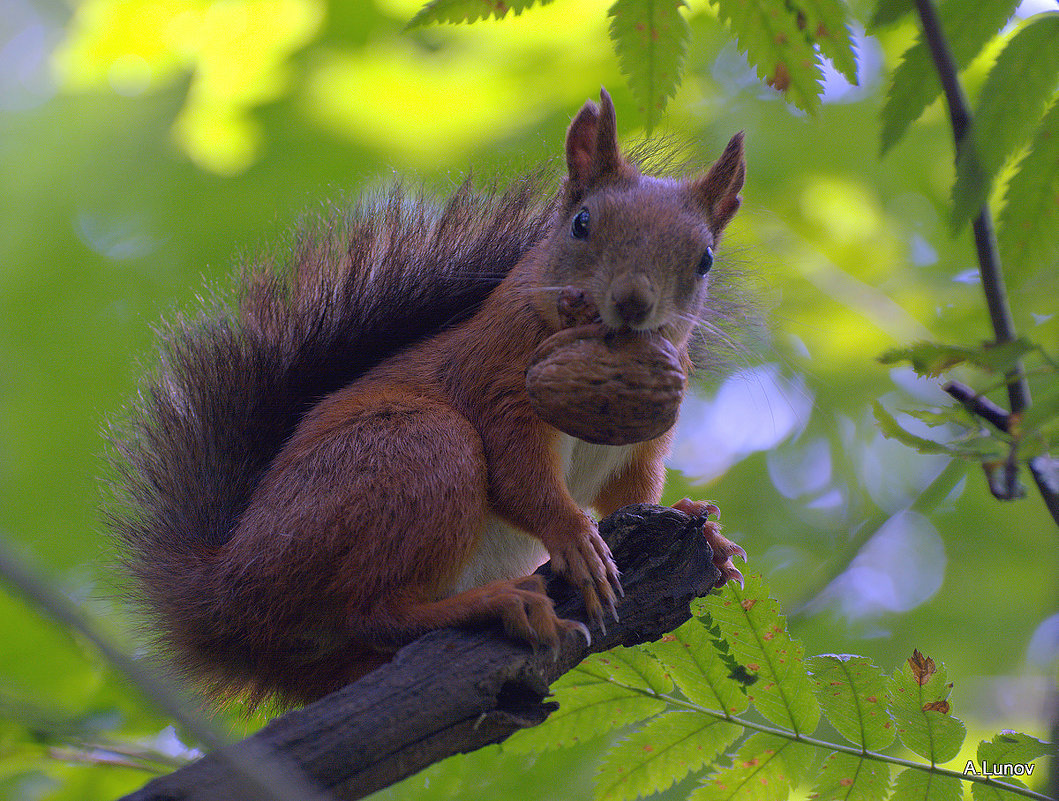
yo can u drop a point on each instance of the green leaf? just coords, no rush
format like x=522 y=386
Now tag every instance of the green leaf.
x=888 y=12
x=633 y=667
x=1011 y=103
x=757 y=636
x=930 y=359
x=698 y=670
x=1007 y=752
x=1012 y=747
x=1044 y=410
x=919 y=704
x=759 y=772
x=664 y=751
x=588 y=707
x=469 y=10
x=919 y=785
x=651 y=40
x=891 y=429
x=1029 y=223
x=846 y=777
x=968 y=27
x=827 y=22
x=852 y=693
x=768 y=32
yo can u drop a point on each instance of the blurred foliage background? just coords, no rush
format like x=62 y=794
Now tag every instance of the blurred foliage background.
x=149 y=146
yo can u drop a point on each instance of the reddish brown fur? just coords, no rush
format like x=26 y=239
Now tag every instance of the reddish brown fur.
x=357 y=531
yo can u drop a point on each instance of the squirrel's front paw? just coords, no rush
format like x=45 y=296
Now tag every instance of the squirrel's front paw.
x=585 y=562
x=723 y=548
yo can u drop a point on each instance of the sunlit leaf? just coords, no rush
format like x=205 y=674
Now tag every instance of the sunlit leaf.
x=767 y=31
x=469 y=10
x=921 y=785
x=664 y=751
x=651 y=40
x=757 y=634
x=827 y=22
x=1014 y=747
x=588 y=707
x=915 y=83
x=1010 y=105
x=919 y=693
x=932 y=359
x=1029 y=223
x=888 y=12
x=759 y=772
x=846 y=777
x=852 y=693
x=698 y=670
x=634 y=667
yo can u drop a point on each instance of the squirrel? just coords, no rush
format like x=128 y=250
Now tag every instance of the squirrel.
x=347 y=459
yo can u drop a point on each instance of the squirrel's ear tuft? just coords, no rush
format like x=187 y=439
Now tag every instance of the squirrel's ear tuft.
x=592 y=152
x=718 y=190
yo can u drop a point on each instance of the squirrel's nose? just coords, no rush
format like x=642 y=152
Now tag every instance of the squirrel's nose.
x=633 y=297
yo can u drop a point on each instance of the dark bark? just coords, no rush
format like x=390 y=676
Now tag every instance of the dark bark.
x=454 y=691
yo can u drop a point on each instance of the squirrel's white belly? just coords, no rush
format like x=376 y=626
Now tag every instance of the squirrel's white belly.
x=506 y=552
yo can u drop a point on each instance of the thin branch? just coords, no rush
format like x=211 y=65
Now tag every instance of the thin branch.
x=1045 y=470
x=261 y=774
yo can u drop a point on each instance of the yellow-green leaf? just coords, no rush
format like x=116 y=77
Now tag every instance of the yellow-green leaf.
x=756 y=634
x=664 y=751
x=852 y=693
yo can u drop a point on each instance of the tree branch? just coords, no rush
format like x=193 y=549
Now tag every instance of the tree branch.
x=1044 y=469
x=454 y=691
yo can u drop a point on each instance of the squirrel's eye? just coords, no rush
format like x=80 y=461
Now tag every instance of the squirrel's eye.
x=579 y=229
x=706 y=262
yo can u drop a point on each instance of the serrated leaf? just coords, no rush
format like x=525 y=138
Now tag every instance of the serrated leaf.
x=920 y=785
x=757 y=636
x=634 y=667
x=1011 y=103
x=888 y=12
x=852 y=693
x=827 y=22
x=767 y=32
x=931 y=359
x=919 y=706
x=968 y=27
x=1012 y=747
x=1008 y=755
x=759 y=772
x=1029 y=222
x=664 y=751
x=469 y=10
x=651 y=40
x=1044 y=410
x=846 y=777
x=891 y=429
x=588 y=707
x=697 y=669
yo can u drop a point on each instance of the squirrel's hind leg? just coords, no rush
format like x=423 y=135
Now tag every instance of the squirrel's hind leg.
x=418 y=503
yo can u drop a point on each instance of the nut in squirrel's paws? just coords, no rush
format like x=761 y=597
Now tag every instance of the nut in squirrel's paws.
x=603 y=386
x=723 y=548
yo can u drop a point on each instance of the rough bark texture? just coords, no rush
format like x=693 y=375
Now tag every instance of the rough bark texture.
x=454 y=691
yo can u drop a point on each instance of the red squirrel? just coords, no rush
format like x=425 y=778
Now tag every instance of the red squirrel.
x=348 y=459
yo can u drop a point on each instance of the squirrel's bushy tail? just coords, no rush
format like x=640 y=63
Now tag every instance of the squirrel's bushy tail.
x=233 y=382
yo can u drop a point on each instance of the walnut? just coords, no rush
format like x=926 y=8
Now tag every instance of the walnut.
x=602 y=386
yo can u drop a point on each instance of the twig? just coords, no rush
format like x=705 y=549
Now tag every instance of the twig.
x=1044 y=469
x=261 y=775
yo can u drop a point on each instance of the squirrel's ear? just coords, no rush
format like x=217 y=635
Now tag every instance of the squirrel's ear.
x=718 y=190
x=592 y=143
